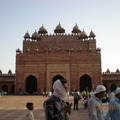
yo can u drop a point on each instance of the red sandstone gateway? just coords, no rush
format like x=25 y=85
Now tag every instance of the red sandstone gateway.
x=46 y=58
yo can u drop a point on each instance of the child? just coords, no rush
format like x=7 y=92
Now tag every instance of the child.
x=29 y=115
x=85 y=102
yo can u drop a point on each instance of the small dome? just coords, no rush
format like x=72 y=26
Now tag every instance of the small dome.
x=59 y=29
x=76 y=29
x=42 y=30
x=83 y=35
x=92 y=34
x=107 y=71
x=27 y=35
x=18 y=51
x=0 y=72
x=117 y=71
x=35 y=36
x=9 y=72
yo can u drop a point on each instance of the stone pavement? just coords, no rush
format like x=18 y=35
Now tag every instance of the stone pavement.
x=14 y=108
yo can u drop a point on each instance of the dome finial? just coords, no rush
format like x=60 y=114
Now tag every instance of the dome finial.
x=26 y=35
x=92 y=34
x=35 y=35
x=83 y=35
x=76 y=29
x=42 y=30
x=59 y=29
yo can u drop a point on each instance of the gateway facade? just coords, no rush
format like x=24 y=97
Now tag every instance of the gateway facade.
x=46 y=58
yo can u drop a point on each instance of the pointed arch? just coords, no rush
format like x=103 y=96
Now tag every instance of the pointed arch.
x=5 y=88
x=56 y=78
x=31 y=84
x=113 y=87
x=12 y=89
x=85 y=83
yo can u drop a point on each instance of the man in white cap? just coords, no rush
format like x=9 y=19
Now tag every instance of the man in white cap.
x=95 y=107
x=114 y=107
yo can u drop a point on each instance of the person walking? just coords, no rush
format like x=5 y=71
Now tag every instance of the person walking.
x=29 y=114
x=76 y=99
x=111 y=95
x=114 y=107
x=55 y=108
x=95 y=107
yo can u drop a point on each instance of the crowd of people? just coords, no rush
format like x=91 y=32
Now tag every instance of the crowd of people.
x=104 y=106
x=99 y=104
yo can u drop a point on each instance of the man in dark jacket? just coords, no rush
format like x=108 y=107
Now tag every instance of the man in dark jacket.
x=76 y=99
x=55 y=108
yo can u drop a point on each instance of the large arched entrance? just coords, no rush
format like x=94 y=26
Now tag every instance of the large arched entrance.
x=5 y=88
x=56 y=78
x=85 y=83
x=113 y=87
x=12 y=89
x=31 y=84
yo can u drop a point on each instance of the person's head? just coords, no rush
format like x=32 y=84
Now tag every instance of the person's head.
x=30 y=106
x=117 y=92
x=76 y=90
x=100 y=91
x=64 y=83
x=60 y=88
x=111 y=89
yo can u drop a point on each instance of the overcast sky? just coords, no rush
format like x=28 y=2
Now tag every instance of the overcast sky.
x=19 y=16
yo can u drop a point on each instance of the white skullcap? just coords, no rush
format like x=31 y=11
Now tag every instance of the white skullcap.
x=99 y=88
x=117 y=91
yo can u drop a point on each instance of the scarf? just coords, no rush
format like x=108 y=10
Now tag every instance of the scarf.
x=59 y=90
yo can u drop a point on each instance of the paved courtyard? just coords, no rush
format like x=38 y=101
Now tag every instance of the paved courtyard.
x=13 y=108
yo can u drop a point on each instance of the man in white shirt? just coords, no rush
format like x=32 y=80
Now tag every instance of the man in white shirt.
x=95 y=107
x=114 y=107
x=111 y=95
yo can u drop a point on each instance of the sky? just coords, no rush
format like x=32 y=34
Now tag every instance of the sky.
x=19 y=16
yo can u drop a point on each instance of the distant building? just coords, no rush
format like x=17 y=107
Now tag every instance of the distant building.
x=46 y=58
x=111 y=79
x=7 y=82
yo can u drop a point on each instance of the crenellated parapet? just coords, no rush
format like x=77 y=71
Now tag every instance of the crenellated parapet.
x=59 y=44
x=8 y=74
x=108 y=72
